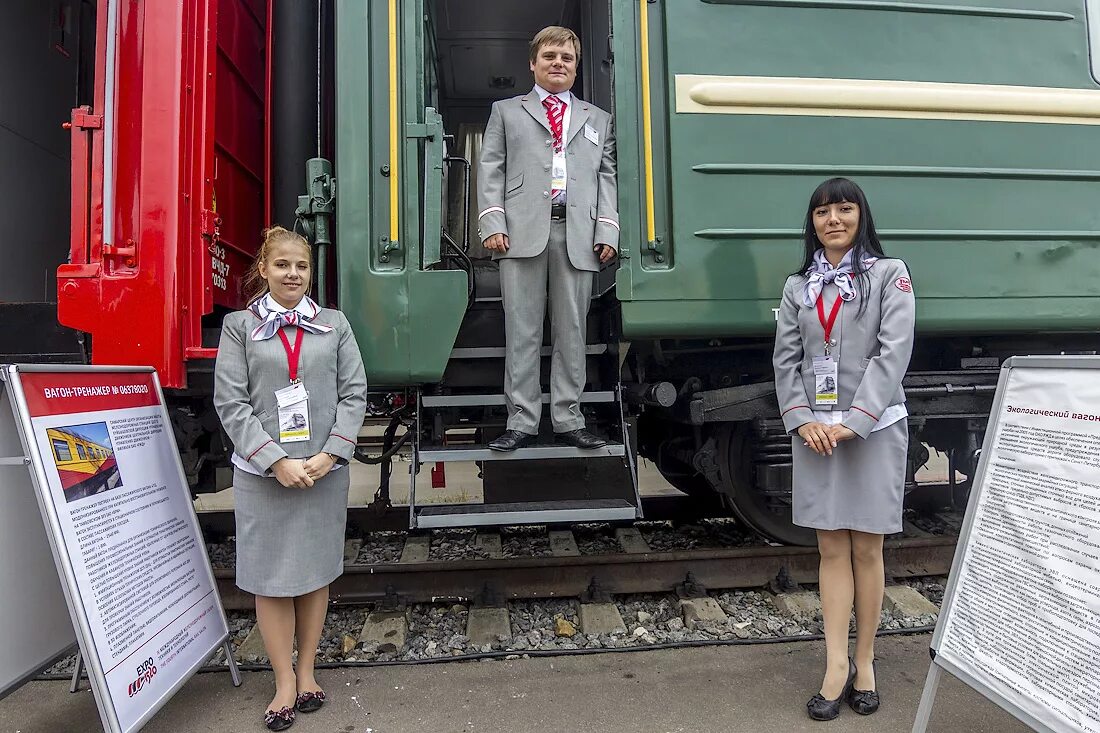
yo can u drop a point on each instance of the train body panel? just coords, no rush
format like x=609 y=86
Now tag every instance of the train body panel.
x=983 y=188
x=168 y=179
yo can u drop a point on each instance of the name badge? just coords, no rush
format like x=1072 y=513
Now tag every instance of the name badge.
x=591 y=135
x=293 y=404
x=825 y=378
x=557 y=178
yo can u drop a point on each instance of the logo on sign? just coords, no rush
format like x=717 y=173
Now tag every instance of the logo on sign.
x=904 y=284
x=145 y=673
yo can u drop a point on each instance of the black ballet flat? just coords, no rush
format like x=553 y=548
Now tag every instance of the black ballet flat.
x=280 y=719
x=864 y=702
x=310 y=702
x=821 y=709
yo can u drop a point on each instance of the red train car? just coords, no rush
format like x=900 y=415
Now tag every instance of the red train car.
x=168 y=178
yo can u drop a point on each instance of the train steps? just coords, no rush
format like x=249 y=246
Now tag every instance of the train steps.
x=546 y=483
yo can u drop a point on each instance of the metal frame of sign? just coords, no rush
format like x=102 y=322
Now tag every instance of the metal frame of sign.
x=96 y=674
x=31 y=607
x=939 y=664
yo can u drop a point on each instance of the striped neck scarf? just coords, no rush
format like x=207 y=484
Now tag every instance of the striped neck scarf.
x=820 y=273
x=274 y=316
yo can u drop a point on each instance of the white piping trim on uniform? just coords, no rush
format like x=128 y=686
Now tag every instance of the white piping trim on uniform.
x=490 y=210
x=605 y=220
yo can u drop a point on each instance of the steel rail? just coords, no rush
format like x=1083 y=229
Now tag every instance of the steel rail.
x=551 y=577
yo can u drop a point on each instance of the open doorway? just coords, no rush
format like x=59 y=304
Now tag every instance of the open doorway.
x=481 y=53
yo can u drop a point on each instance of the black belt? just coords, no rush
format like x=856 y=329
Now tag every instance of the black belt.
x=557 y=211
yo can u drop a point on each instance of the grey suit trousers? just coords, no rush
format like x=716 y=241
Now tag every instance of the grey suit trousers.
x=524 y=285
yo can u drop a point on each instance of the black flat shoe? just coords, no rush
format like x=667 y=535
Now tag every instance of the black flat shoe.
x=821 y=709
x=279 y=720
x=580 y=438
x=310 y=702
x=509 y=440
x=864 y=702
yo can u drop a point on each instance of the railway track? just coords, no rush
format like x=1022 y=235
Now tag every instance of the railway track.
x=626 y=564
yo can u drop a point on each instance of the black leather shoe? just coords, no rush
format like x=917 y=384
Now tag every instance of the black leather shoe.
x=580 y=438
x=509 y=440
x=821 y=709
x=310 y=702
x=279 y=720
x=864 y=702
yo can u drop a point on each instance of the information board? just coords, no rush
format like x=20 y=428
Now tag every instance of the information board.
x=1020 y=620
x=124 y=535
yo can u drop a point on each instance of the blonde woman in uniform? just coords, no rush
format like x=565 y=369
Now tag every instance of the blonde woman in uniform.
x=842 y=346
x=290 y=389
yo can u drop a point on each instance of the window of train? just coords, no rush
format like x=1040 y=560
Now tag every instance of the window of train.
x=61 y=450
x=1092 y=16
x=80 y=451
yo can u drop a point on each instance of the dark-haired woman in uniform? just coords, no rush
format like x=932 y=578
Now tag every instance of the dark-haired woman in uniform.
x=842 y=346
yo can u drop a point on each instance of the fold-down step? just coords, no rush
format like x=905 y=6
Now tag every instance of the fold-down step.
x=530 y=512
x=480 y=400
x=431 y=454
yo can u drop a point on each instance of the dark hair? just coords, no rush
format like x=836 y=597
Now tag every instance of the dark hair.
x=866 y=243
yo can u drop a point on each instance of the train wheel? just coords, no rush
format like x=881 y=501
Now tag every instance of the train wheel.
x=770 y=516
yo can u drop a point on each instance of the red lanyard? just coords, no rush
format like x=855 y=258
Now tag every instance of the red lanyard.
x=828 y=325
x=292 y=354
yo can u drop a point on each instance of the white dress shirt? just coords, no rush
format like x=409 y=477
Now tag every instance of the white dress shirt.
x=568 y=98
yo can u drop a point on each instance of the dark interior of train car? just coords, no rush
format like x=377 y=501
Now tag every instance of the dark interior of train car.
x=52 y=44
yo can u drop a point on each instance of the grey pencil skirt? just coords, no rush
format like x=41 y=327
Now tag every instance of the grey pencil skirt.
x=289 y=541
x=861 y=486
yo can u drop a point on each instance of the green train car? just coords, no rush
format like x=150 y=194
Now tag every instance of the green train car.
x=973 y=128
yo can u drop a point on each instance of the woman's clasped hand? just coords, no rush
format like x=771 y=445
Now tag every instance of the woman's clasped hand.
x=822 y=438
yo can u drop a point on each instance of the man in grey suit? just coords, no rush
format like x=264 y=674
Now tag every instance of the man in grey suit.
x=548 y=213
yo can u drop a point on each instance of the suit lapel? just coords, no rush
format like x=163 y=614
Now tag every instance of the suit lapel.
x=577 y=117
x=534 y=107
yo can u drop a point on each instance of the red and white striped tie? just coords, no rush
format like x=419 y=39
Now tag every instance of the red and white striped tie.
x=555 y=115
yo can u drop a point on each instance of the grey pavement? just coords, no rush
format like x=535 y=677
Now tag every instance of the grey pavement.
x=740 y=689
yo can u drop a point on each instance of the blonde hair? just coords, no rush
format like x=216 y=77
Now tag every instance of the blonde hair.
x=254 y=285
x=554 y=35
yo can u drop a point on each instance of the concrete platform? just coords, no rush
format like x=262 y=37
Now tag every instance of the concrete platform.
x=743 y=689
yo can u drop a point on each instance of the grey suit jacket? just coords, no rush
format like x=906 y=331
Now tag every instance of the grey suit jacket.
x=872 y=350
x=513 y=180
x=247 y=374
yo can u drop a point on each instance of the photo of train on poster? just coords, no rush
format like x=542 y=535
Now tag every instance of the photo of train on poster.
x=84 y=459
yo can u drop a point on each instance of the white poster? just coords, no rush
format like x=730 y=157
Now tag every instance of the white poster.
x=1024 y=618
x=139 y=569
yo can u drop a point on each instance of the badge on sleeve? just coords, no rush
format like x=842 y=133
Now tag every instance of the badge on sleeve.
x=904 y=284
x=591 y=135
x=825 y=378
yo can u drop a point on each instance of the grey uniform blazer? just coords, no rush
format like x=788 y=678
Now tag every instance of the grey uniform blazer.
x=247 y=374
x=872 y=350
x=513 y=180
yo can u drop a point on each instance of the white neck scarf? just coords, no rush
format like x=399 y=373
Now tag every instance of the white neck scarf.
x=274 y=316
x=821 y=272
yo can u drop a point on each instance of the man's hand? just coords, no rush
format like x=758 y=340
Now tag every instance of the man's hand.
x=319 y=465
x=818 y=437
x=291 y=473
x=605 y=251
x=497 y=242
x=839 y=433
